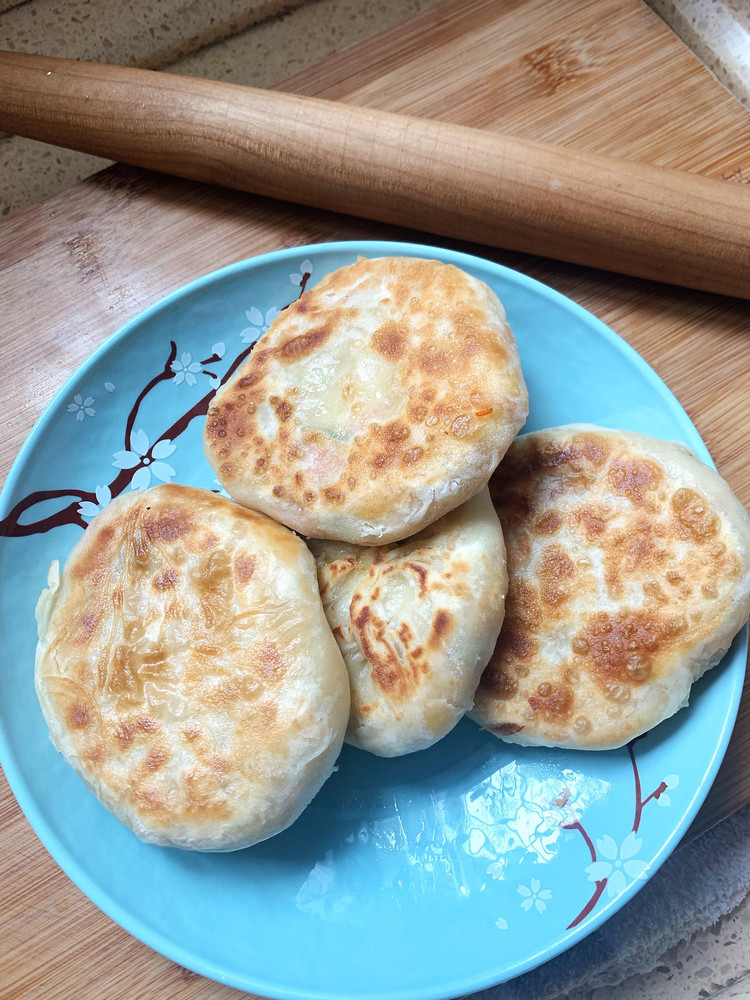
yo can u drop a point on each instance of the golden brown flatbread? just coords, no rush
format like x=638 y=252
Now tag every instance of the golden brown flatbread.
x=416 y=623
x=383 y=398
x=629 y=576
x=187 y=672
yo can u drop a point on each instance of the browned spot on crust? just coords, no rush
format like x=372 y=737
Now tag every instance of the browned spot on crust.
x=499 y=682
x=421 y=574
x=244 y=567
x=556 y=574
x=388 y=340
x=157 y=757
x=506 y=728
x=167 y=579
x=397 y=675
x=282 y=408
x=653 y=589
x=270 y=661
x=124 y=734
x=695 y=515
x=441 y=626
x=405 y=634
x=634 y=478
x=432 y=360
x=305 y=343
x=149 y=799
x=625 y=646
x=591 y=520
x=396 y=432
x=523 y=605
x=79 y=715
x=518 y=643
x=168 y=525
x=638 y=550
x=552 y=701
x=548 y=523
x=87 y=625
x=522 y=546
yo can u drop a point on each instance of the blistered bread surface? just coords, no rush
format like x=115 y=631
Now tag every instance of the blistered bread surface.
x=187 y=672
x=381 y=399
x=629 y=575
x=416 y=623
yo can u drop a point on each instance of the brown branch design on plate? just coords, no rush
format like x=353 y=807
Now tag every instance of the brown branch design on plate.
x=138 y=458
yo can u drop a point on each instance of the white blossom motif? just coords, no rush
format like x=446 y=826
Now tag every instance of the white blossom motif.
x=217 y=351
x=501 y=923
x=534 y=896
x=150 y=464
x=109 y=386
x=497 y=869
x=671 y=781
x=306 y=268
x=617 y=863
x=82 y=407
x=88 y=509
x=185 y=370
x=258 y=323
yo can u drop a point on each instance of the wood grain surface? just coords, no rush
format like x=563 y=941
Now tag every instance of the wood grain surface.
x=606 y=76
x=468 y=183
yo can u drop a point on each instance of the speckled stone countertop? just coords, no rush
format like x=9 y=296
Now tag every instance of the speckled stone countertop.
x=260 y=42
x=718 y=31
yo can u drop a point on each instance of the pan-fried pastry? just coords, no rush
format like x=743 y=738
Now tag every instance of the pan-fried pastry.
x=416 y=623
x=629 y=576
x=383 y=398
x=187 y=672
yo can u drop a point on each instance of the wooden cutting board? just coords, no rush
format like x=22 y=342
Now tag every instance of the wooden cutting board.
x=606 y=76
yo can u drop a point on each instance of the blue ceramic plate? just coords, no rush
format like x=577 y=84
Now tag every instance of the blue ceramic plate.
x=421 y=877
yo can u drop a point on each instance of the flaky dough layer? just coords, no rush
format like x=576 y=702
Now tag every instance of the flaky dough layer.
x=629 y=576
x=187 y=672
x=416 y=623
x=380 y=400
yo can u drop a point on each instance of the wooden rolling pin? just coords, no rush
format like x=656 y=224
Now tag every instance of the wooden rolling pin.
x=497 y=190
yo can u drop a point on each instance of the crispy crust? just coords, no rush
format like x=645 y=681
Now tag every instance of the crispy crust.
x=629 y=570
x=383 y=398
x=416 y=623
x=186 y=670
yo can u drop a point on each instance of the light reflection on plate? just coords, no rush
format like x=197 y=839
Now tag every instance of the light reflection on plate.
x=421 y=877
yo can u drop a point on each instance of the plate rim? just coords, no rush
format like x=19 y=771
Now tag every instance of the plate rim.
x=156 y=940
